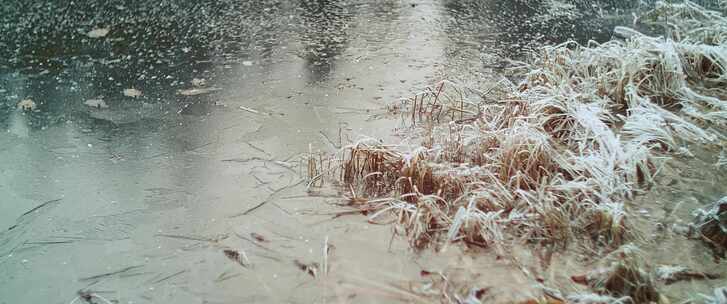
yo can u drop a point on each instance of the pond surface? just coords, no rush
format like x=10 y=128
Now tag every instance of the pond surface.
x=158 y=125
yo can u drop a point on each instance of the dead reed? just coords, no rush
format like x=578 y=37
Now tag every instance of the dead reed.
x=553 y=159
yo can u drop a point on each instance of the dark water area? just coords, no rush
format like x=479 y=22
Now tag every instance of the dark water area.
x=157 y=47
x=156 y=121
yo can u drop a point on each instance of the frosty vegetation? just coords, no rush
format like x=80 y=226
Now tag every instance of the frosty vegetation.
x=555 y=156
x=552 y=159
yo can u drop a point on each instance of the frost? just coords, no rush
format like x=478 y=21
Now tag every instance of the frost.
x=559 y=10
x=719 y=296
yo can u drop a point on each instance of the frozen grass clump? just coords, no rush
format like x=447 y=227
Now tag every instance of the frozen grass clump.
x=495 y=168
x=553 y=159
x=652 y=125
x=690 y=22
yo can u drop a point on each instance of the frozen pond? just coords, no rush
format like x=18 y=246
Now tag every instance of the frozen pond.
x=158 y=125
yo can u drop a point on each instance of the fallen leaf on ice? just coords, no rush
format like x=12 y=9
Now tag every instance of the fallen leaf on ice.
x=199 y=82
x=98 y=33
x=132 y=92
x=26 y=105
x=96 y=103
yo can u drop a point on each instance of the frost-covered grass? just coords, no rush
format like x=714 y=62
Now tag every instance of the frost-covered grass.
x=553 y=158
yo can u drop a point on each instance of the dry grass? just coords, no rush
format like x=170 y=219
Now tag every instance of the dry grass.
x=553 y=159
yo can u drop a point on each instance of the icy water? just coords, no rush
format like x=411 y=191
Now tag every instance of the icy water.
x=159 y=125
